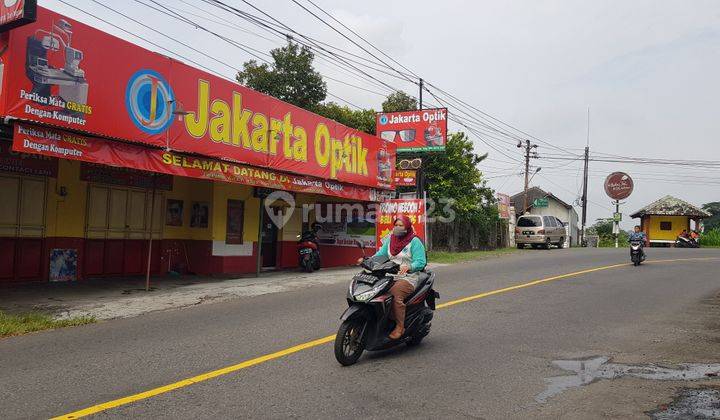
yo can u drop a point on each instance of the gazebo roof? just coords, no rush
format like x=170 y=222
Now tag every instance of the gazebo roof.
x=670 y=206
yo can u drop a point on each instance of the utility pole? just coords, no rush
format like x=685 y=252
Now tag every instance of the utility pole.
x=585 y=184
x=528 y=149
x=421 y=92
x=584 y=197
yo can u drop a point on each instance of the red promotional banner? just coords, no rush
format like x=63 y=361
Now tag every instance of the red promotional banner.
x=61 y=144
x=14 y=13
x=64 y=73
x=26 y=163
x=405 y=177
x=387 y=210
x=503 y=205
x=414 y=131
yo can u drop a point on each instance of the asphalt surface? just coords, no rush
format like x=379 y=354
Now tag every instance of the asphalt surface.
x=487 y=358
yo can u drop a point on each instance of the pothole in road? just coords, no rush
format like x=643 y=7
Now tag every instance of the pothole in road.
x=586 y=371
x=691 y=404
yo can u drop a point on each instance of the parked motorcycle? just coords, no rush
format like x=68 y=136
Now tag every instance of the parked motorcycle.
x=308 y=251
x=683 y=242
x=366 y=324
x=637 y=252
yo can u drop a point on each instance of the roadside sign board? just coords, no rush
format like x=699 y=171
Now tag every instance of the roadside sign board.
x=405 y=177
x=387 y=210
x=503 y=205
x=618 y=185
x=414 y=131
x=540 y=202
x=617 y=217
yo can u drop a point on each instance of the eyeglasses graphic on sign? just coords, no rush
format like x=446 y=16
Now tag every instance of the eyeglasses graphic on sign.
x=405 y=136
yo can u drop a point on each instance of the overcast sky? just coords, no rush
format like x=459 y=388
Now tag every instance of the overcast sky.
x=648 y=70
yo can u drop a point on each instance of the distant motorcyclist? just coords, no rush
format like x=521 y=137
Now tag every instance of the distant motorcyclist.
x=638 y=236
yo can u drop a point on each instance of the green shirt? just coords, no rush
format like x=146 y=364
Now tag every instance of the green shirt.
x=416 y=259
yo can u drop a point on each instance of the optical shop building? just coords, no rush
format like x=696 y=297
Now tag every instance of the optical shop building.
x=105 y=144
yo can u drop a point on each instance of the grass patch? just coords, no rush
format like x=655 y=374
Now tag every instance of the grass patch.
x=710 y=239
x=456 y=257
x=36 y=321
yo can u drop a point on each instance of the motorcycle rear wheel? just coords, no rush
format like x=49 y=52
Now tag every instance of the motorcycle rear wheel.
x=348 y=347
x=418 y=337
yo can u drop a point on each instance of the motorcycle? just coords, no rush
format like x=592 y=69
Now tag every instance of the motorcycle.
x=308 y=251
x=366 y=323
x=637 y=252
x=683 y=242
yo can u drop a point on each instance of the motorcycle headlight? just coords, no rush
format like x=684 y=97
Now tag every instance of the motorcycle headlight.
x=367 y=295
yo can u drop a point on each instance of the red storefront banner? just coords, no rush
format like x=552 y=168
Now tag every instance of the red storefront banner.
x=64 y=73
x=414 y=131
x=14 y=13
x=388 y=210
x=62 y=144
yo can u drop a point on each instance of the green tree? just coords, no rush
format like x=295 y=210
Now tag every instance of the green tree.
x=603 y=229
x=361 y=119
x=399 y=101
x=714 y=221
x=454 y=175
x=292 y=77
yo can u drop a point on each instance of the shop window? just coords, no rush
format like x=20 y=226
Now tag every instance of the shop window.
x=665 y=225
x=234 y=225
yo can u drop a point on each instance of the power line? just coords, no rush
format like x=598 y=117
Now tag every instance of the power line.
x=413 y=73
x=308 y=41
x=138 y=37
x=362 y=38
x=174 y=53
x=341 y=34
x=165 y=10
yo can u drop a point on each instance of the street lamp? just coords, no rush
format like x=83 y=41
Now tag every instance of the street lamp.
x=533 y=175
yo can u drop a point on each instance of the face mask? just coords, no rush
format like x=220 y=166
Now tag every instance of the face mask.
x=399 y=231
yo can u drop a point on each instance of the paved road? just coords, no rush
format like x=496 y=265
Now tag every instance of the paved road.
x=486 y=358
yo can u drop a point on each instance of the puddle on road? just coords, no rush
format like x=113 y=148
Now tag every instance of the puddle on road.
x=586 y=371
x=691 y=404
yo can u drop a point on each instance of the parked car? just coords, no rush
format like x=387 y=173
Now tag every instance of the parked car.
x=539 y=231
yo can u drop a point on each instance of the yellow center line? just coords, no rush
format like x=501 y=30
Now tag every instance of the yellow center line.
x=320 y=341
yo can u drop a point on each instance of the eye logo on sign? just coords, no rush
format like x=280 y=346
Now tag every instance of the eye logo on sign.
x=150 y=101
x=383 y=119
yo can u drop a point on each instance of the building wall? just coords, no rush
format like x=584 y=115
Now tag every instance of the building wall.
x=185 y=249
x=678 y=224
x=558 y=210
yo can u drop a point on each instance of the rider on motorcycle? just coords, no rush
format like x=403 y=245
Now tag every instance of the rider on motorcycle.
x=407 y=250
x=638 y=235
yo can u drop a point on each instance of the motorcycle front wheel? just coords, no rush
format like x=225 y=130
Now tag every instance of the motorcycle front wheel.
x=306 y=265
x=348 y=344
